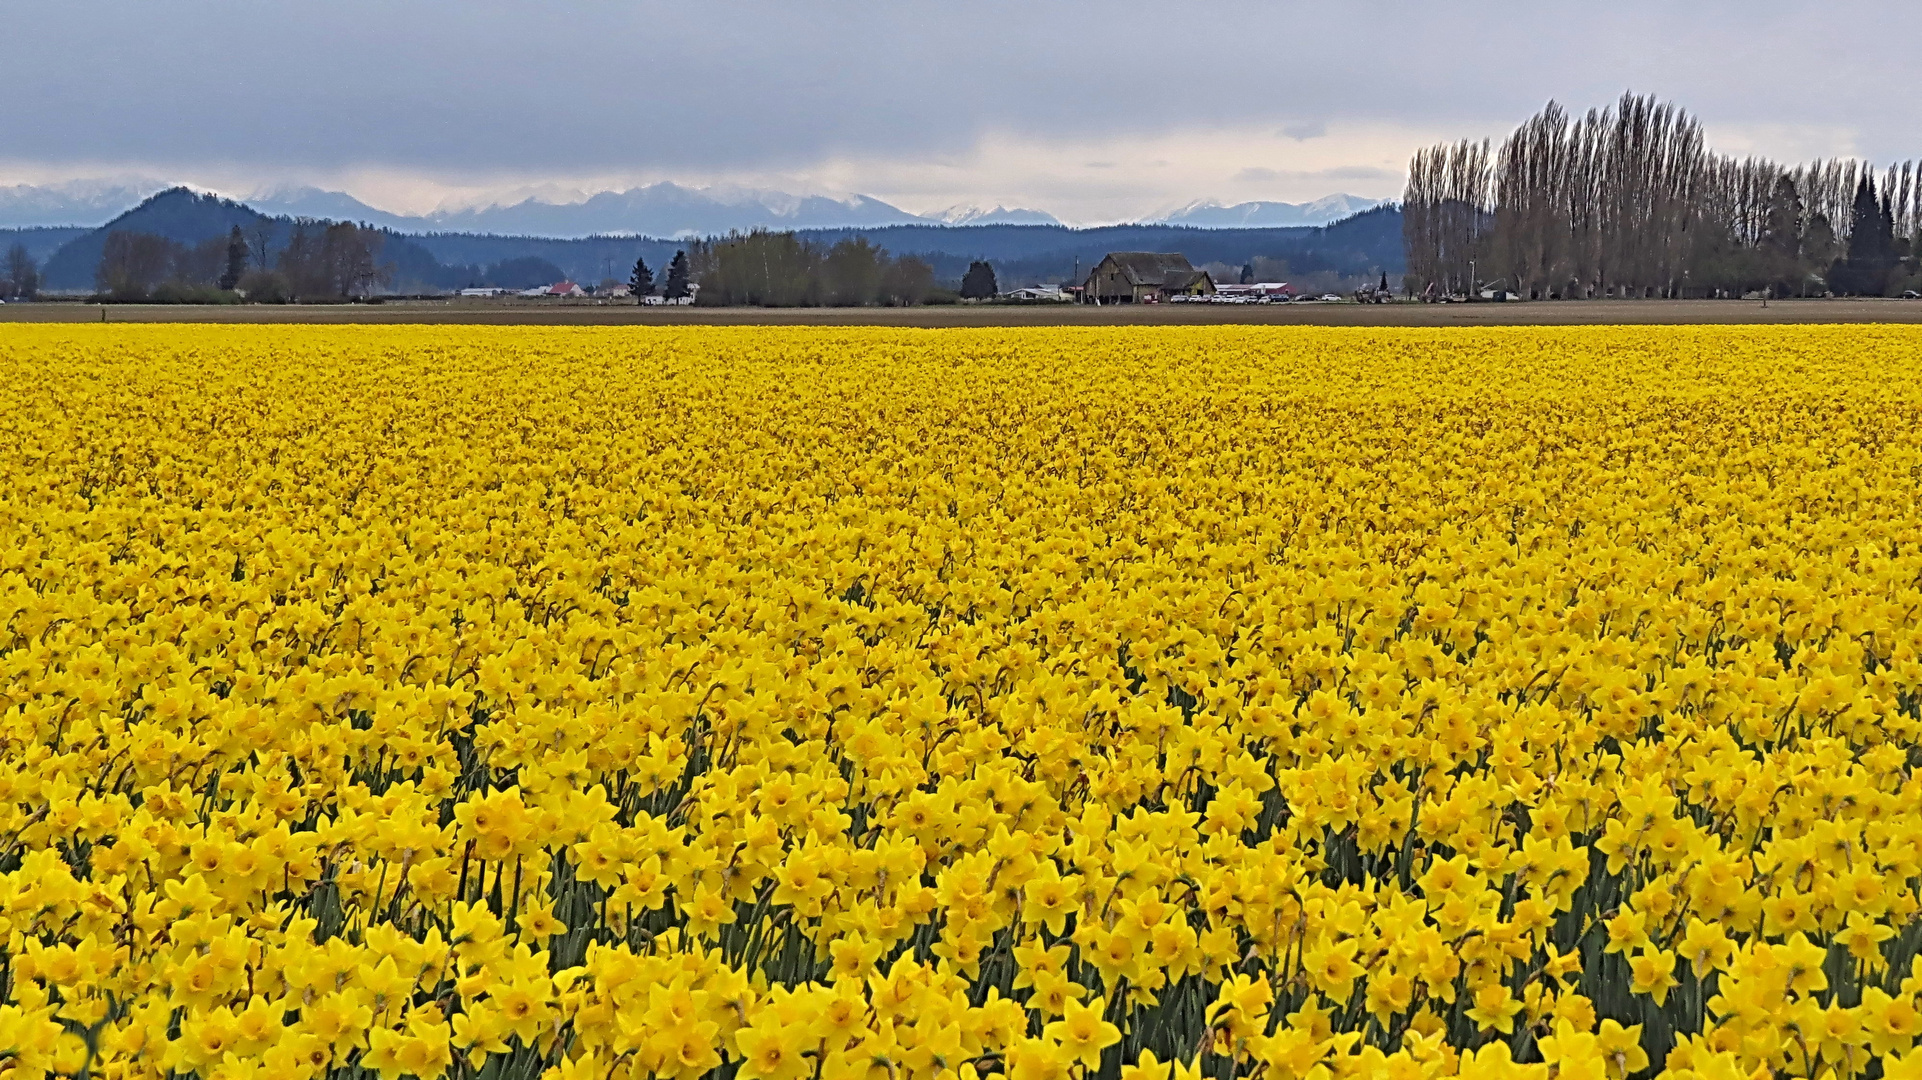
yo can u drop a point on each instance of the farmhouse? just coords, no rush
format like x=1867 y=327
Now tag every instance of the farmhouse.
x=1144 y=277
x=559 y=288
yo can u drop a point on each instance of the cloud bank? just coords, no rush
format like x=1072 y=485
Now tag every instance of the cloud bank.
x=414 y=105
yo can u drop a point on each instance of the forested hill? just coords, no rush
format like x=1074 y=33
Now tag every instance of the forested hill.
x=1367 y=244
x=189 y=218
x=40 y=241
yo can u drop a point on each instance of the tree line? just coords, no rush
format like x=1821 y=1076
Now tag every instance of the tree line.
x=1630 y=201
x=319 y=261
x=780 y=269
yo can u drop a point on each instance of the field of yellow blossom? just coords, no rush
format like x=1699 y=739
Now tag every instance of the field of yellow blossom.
x=869 y=704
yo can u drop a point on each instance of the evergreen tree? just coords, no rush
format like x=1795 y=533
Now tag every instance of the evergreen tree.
x=677 y=283
x=1247 y=273
x=979 y=284
x=1782 y=231
x=1864 y=271
x=236 y=260
x=1781 y=240
x=1818 y=239
x=642 y=281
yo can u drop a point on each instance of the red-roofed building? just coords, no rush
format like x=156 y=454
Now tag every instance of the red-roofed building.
x=565 y=288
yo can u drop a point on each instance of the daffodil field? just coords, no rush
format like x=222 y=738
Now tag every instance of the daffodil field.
x=874 y=704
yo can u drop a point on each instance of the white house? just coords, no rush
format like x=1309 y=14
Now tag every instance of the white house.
x=1037 y=292
x=1261 y=290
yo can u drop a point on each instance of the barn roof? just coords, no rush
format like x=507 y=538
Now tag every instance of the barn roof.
x=1158 y=269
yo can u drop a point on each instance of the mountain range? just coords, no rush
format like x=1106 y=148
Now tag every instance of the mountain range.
x=664 y=209
x=74 y=202
x=1209 y=214
x=1364 y=245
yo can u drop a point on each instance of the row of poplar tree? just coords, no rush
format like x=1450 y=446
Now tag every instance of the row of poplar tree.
x=1630 y=201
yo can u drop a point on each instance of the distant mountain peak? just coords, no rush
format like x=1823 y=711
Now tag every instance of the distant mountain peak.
x=1213 y=214
x=1000 y=215
x=73 y=202
x=312 y=202
x=665 y=209
x=660 y=209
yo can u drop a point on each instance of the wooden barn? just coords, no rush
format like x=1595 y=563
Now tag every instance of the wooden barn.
x=1138 y=277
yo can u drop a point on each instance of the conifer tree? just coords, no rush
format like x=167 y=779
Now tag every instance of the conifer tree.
x=1871 y=251
x=676 y=287
x=642 y=281
x=979 y=283
x=236 y=260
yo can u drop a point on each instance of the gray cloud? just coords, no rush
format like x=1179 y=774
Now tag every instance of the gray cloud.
x=1338 y=175
x=1358 y=172
x=568 y=87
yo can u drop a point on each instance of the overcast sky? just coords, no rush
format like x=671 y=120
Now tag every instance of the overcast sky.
x=1095 y=111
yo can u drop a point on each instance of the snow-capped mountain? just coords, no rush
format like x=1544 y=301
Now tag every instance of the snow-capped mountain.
x=662 y=210
x=665 y=210
x=1000 y=215
x=1211 y=214
x=313 y=202
x=74 y=202
x=668 y=210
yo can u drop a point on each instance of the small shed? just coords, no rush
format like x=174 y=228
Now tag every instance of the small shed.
x=1138 y=277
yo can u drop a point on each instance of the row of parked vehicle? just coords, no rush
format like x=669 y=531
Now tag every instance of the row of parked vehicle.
x=1233 y=298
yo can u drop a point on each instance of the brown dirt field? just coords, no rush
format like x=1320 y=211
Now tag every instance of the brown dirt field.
x=1550 y=313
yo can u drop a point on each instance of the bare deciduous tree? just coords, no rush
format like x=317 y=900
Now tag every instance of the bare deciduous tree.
x=1629 y=201
x=333 y=260
x=1447 y=214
